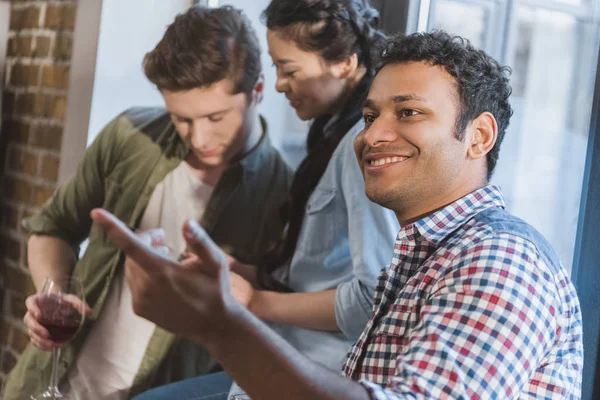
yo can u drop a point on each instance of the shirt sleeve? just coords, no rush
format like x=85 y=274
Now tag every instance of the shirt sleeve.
x=484 y=326
x=66 y=214
x=372 y=231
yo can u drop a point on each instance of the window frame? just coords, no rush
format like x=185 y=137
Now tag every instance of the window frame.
x=586 y=266
x=394 y=14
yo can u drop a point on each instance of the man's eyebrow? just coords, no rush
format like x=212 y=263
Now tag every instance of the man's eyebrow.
x=369 y=104
x=407 y=97
x=401 y=98
x=223 y=111
x=175 y=115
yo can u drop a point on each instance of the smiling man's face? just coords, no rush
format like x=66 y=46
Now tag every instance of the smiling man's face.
x=410 y=158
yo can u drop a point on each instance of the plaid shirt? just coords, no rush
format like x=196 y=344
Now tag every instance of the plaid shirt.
x=471 y=309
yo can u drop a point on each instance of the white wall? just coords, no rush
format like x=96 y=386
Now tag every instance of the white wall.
x=128 y=30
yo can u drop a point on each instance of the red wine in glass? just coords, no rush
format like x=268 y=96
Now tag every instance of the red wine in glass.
x=62 y=312
x=60 y=317
x=60 y=331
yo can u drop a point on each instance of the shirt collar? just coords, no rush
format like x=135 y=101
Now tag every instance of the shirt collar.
x=252 y=160
x=439 y=225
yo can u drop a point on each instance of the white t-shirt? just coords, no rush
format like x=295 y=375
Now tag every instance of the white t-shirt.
x=113 y=351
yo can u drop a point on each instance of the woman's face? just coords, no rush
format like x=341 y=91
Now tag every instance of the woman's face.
x=313 y=86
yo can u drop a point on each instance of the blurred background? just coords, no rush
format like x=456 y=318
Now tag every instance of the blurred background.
x=70 y=66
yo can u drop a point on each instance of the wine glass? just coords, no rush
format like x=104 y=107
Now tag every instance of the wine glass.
x=62 y=313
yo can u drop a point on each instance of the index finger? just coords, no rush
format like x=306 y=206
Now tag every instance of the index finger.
x=126 y=240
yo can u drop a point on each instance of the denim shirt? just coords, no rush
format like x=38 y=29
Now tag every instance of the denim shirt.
x=344 y=243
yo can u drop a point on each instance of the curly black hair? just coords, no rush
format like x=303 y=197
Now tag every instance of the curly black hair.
x=482 y=83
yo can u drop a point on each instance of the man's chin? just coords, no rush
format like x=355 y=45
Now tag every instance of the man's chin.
x=208 y=162
x=384 y=199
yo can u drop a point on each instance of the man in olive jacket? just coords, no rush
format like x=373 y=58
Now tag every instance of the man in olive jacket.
x=207 y=156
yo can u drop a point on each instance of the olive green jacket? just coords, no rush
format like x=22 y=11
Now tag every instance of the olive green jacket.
x=119 y=172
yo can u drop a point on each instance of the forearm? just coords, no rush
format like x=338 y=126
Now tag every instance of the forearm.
x=49 y=256
x=314 y=310
x=267 y=367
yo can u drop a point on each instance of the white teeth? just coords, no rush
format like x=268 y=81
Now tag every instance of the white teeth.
x=387 y=160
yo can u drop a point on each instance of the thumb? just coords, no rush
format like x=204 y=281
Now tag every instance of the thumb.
x=200 y=243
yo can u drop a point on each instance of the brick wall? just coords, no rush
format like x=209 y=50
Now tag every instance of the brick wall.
x=33 y=112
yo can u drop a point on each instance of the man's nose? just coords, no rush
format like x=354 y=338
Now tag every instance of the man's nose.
x=199 y=136
x=379 y=132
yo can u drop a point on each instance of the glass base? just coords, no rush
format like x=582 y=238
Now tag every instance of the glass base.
x=49 y=394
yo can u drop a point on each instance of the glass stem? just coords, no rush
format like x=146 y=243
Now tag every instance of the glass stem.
x=54 y=376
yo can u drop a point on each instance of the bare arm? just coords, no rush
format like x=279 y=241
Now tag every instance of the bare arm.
x=49 y=256
x=267 y=367
x=314 y=310
x=305 y=310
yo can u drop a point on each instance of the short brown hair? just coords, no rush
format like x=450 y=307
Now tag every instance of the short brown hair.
x=204 y=46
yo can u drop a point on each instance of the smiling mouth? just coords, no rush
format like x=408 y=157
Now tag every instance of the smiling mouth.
x=387 y=160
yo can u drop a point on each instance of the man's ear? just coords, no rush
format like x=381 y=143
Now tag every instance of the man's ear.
x=346 y=67
x=257 y=91
x=484 y=132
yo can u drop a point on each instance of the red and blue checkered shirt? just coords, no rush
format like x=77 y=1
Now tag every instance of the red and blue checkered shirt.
x=472 y=306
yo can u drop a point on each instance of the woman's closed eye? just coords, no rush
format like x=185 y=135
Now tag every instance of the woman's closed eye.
x=286 y=74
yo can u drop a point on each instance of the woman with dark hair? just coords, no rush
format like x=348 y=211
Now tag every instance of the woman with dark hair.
x=317 y=283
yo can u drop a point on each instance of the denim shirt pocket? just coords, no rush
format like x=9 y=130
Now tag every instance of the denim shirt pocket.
x=319 y=225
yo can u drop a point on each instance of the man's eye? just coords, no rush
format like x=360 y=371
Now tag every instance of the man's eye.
x=215 y=118
x=407 y=112
x=369 y=119
x=289 y=74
